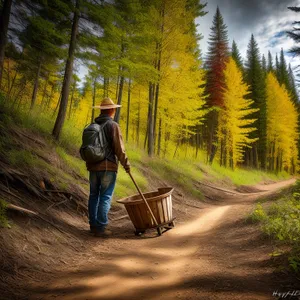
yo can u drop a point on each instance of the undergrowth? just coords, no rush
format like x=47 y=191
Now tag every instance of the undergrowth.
x=3 y=218
x=281 y=221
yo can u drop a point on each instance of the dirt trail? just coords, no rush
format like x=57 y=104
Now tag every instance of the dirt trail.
x=217 y=255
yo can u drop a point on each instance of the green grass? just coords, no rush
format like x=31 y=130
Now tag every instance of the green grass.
x=281 y=221
x=125 y=187
x=178 y=172
x=3 y=218
x=21 y=158
x=74 y=163
x=241 y=176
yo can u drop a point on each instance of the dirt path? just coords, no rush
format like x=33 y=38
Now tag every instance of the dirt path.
x=214 y=256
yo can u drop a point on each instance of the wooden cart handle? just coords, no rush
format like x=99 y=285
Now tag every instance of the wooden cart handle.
x=143 y=197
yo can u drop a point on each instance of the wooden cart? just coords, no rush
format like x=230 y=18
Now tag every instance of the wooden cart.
x=150 y=210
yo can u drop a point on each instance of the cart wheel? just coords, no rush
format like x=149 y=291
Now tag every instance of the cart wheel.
x=139 y=232
x=159 y=230
x=172 y=224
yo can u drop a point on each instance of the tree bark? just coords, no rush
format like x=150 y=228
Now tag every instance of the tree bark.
x=150 y=120
x=72 y=97
x=138 y=121
x=94 y=100
x=159 y=137
x=128 y=110
x=4 y=20
x=120 y=95
x=67 y=77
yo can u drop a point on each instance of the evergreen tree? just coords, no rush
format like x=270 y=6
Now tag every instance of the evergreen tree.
x=293 y=89
x=295 y=34
x=235 y=53
x=68 y=74
x=42 y=43
x=283 y=75
x=264 y=64
x=218 y=53
x=255 y=79
x=270 y=67
x=277 y=66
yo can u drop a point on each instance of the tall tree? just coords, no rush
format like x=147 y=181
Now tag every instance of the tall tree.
x=283 y=74
x=282 y=127
x=218 y=53
x=234 y=127
x=255 y=79
x=270 y=67
x=4 y=20
x=68 y=74
x=292 y=84
x=235 y=53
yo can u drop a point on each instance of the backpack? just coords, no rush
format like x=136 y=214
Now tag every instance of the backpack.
x=94 y=143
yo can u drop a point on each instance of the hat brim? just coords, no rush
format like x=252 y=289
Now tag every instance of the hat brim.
x=107 y=106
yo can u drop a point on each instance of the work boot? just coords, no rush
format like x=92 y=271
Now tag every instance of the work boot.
x=93 y=229
x=103 y=232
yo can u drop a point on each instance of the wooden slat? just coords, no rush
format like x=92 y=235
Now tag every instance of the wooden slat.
x=165 y=208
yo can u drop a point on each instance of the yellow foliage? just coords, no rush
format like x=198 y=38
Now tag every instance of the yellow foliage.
x=282 y=127
x=233 y=126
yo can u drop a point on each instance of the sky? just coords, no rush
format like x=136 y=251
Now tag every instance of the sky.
x=267 y=20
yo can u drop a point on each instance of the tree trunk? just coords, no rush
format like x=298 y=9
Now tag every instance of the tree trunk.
x=128 y=109
x=94 y=100
x=150 y=120
x=159 y=137
x=8 y=74
x=4 y=20
x=36 y=85
x=138 y=122
x=67 y=77
x=45 y=90
x=120 y=95
x=72 y=97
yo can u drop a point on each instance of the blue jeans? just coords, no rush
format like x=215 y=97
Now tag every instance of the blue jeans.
x=102 y=184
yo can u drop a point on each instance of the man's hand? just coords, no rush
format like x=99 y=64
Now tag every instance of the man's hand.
x=127 y=168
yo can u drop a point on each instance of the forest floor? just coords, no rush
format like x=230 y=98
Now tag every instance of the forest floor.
x=212 y=253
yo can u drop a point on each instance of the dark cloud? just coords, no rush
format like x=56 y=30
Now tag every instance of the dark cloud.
x=268 y=20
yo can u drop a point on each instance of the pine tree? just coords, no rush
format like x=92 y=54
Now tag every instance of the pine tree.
x=293 y=89
x=42 y=44
x=283 y=75
x=218 y=53
x=255 y=79
x=68 y=74
x=270 y=67
x=294 y=34
x=264 y=64
x=235 y=54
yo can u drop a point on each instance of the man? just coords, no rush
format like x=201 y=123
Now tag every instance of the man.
x=103 y=174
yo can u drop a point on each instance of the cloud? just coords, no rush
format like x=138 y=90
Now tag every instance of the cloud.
x=268 y=20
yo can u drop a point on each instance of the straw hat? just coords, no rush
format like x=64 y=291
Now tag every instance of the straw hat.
x=107 y=103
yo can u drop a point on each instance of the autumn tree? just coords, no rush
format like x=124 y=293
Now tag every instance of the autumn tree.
x=234 y=126
x=282 y=127
x=218 y=52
